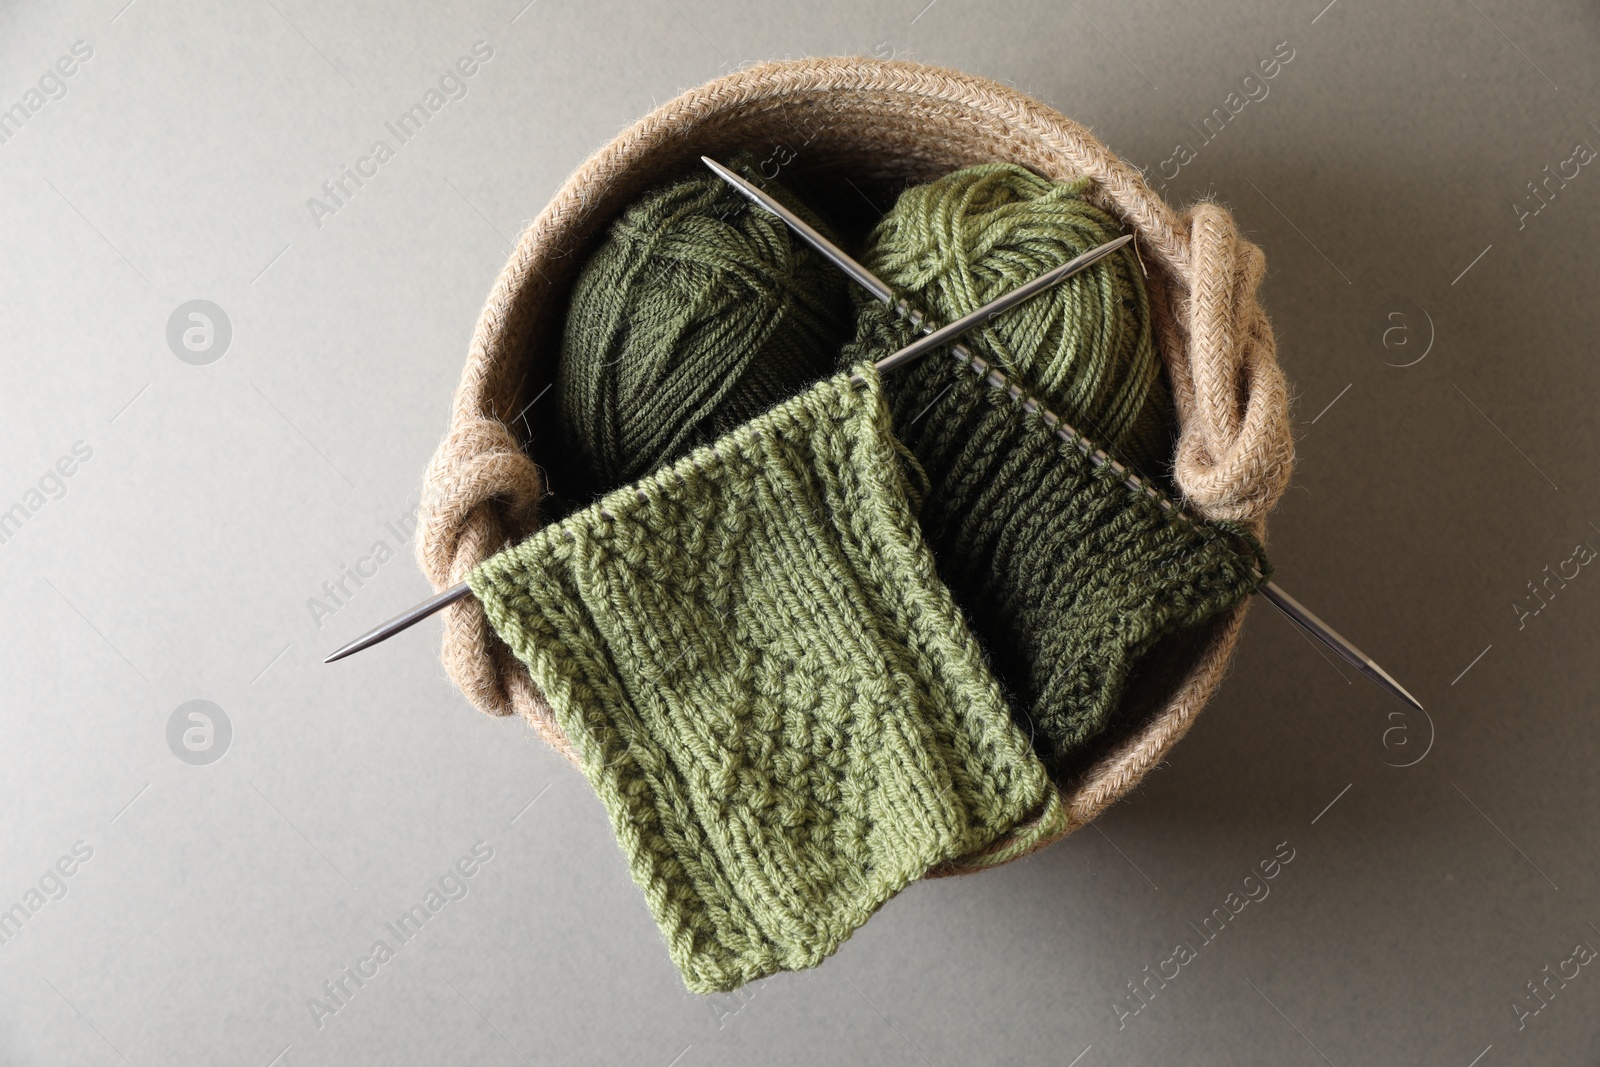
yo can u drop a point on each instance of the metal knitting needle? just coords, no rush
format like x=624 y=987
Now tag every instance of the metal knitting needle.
x=1352 y=655
x=945 y=334
x=931 y=338
x=403 y=621
x=921 y=346
x=1296 y=611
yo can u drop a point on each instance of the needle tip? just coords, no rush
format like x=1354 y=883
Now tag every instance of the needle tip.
x=1387 y=680
x=364 y=641
x=403 y=621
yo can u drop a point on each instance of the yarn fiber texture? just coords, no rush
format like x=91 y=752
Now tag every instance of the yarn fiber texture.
x=1069 y=576
x=766 y=684
x=698 y=312
x=978 y=233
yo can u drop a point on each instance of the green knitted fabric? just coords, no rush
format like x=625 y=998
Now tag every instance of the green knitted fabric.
x=698 y=312
x=1068 y=575
x=776 y=699
x=975 y=234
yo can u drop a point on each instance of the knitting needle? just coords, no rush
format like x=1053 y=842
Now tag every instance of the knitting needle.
x=937 y=338
x=403 y=621
x=1331 y=637
x=830 y=251
x=921 y=346
x=945 y=334
x=1292 y=608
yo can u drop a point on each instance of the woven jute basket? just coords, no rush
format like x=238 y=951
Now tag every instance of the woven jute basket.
x=882 y=123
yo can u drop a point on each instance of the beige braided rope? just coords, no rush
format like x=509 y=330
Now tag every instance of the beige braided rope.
x=891 y=121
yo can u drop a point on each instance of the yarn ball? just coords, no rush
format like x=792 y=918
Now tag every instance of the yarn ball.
x=698 y=312
x=1085 y=347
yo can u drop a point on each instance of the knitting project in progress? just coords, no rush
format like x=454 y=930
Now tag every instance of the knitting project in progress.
x=782 y=710
x=1068 y=576
x=812 y=642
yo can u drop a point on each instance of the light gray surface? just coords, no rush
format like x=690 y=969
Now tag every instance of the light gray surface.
x=1380 y=169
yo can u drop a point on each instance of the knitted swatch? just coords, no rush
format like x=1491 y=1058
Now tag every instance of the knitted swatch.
x=776 y=700
x=1067 y=574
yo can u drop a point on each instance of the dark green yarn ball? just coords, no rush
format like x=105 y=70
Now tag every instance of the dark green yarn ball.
x=698 y=312
x=1086 y=346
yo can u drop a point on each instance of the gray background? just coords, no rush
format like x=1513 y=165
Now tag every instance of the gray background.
x=1380 y=174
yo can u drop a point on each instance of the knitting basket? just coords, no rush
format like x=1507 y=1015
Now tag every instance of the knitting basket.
x=876 y=123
